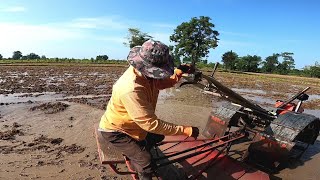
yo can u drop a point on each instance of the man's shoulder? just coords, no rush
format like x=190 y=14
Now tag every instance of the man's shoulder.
x=128 y=83
x=124 y=84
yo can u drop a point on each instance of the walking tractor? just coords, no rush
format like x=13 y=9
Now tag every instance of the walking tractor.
x=274 y=137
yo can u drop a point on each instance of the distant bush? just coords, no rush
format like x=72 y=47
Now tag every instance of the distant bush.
x=205 y=65
x=102 y=57
x=312 y=71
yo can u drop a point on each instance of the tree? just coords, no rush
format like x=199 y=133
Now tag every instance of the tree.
x=136 y=37
x=24 y=57
x=270 y=64
x=229 y=59
x=43 y=57
x=187 y=60
x=287 y=64
x=33 y=56
x=248 y=63
x=1 y=57
x=204 y=61
x=194 y=38
x=102 y=57
x=16 y=55
x=313 y=71
x=241 y=64
x=175 y=56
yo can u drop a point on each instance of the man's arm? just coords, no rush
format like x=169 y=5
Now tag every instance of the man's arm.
x=169 y=82
x=142 y=113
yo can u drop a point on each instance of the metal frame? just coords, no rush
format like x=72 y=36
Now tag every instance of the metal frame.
x=206 y=146
x=210 y=145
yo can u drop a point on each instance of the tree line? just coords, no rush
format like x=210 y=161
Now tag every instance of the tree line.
x=17 y=55
x=249 y=63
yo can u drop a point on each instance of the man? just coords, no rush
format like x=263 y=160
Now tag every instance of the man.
x=130 y=123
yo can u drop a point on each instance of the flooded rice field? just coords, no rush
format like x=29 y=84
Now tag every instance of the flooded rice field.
x=47 y=113
x=20 y=84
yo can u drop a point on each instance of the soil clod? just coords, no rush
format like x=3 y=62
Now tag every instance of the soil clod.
x=50 y=108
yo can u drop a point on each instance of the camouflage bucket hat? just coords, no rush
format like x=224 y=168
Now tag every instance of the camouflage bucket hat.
x=152 y=59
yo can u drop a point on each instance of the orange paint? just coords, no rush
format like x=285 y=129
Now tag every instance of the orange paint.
x=215 y=119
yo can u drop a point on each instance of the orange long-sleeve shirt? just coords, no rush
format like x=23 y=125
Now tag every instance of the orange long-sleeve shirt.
x=131 y=108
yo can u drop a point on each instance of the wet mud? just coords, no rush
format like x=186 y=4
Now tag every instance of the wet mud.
x=47 y=115
x=11 y=133
x=70 y=80
x=50 y=108
x=80 y=80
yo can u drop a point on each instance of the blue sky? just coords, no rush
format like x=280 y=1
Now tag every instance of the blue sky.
x=85 y=29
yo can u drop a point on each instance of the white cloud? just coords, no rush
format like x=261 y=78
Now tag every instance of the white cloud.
x=26 y=37
x=98 y=23
x=79 y=38
x=13 y=9
x=58 y=40
x=114 y=39
x=163 y=37
x=17 y=32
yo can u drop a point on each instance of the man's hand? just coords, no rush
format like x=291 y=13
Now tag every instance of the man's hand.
x=186 y=68
x=195 y=132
